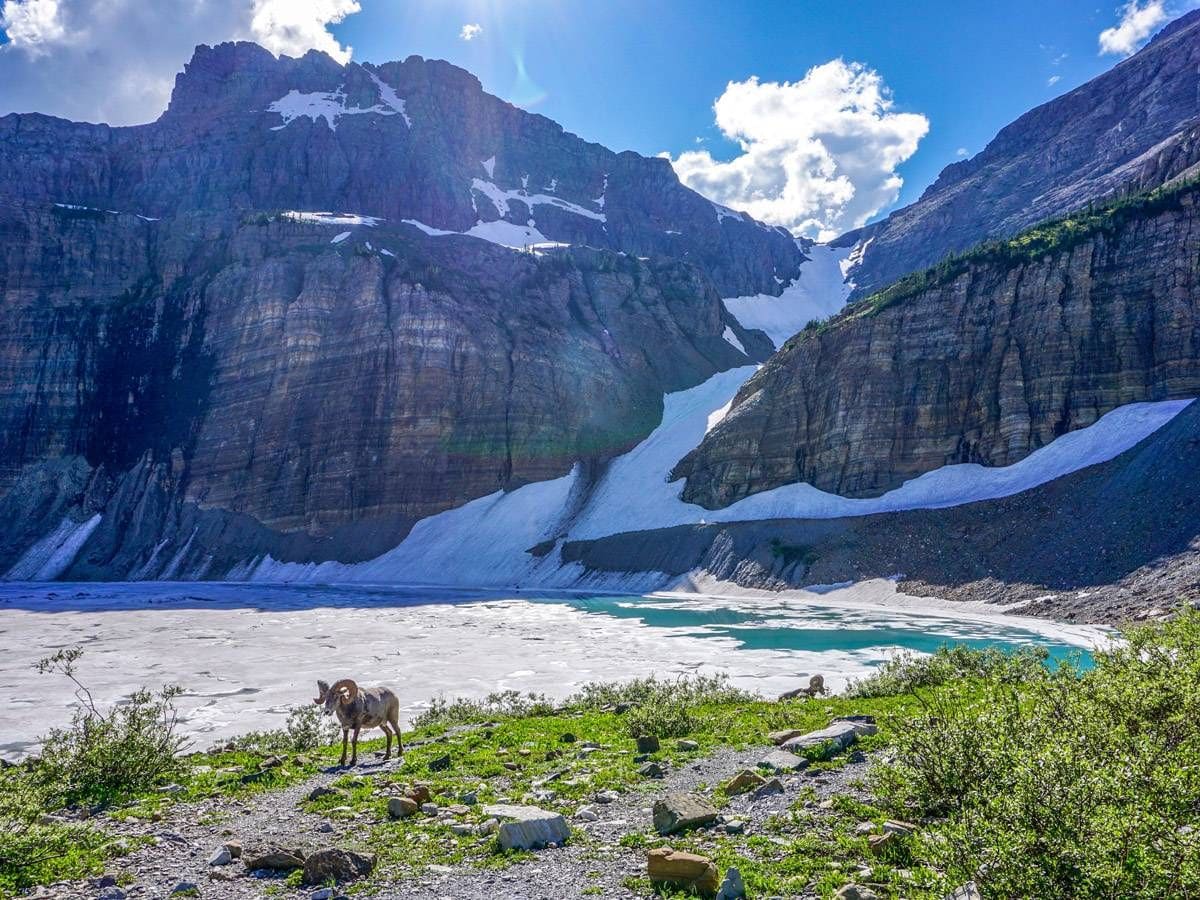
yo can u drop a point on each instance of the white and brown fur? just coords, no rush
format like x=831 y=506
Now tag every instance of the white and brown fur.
x=358 y=708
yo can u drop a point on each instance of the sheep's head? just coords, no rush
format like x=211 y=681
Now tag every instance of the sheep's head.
x=341 y=692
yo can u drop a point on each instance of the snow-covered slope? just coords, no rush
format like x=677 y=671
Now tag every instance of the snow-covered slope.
x=486 y=542
x=819 y=292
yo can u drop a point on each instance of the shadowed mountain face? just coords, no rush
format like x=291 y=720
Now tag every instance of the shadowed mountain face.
x=218 y=377
x=981 y=362
x=989 y=357
x=1135 y=126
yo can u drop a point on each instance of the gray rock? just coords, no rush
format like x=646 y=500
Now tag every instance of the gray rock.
x=968 y=891
x=768 y=788
x=322 y=894
x=185 y=887
x=220 y=857
x=732 y=888
x=111 y=893
x=678 y=812
x=652 y=770
x=686 y=746
x=782 y=761
x=401 y=807
x=527 y=827
x=648 y=744
x=337 y=865
x=586 y=814
x=275 y=861
x=440 y=763
x=840 y=734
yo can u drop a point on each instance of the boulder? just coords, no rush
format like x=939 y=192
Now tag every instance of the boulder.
x=732 y=888
x=648 y=743
x=402 y=807
x=678 y=812
x=334 y=864
x=652 y=770
x=743 y=781
x=969 y=891
x=686 y=870
x=880 y=842
x=893 y=826
x=276 y=861
x=855 y=892
x=527 y=827
x=768 y=788
x=321 y=791
x=778 y=737
x=220 y=857
x=782 y=761
x=420 y=794
x=440 y=763
x=686 y=746
x=840 y=734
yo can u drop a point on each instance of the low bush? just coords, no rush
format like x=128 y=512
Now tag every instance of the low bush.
x=35 y=849
x=306 y=729
x=105 y=756
x=501 y=704
x=692 y=690
x=1067 y=783
x=907 y=671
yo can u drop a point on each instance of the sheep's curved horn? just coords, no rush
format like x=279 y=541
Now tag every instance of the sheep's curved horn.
x=348 y=686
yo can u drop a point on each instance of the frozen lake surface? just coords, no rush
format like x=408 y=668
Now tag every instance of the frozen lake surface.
x=246 y=653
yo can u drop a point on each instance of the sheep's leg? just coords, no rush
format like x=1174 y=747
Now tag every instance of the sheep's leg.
x=399 y=742
x=354 y=745
x=345 y=737
x=387 y=754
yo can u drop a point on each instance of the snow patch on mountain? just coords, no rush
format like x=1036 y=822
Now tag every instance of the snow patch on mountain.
x=329 y=218
x=501 y=199
x=50 y=557
x=331 y=106
x=732 y=339
x=820 y=291
x=389 y=98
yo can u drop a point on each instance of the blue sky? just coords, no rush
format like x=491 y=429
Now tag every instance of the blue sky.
x=644 y=75
x=897 y=90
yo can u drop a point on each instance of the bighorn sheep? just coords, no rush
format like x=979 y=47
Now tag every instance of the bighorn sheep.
x=358 y=708
x=816 y=686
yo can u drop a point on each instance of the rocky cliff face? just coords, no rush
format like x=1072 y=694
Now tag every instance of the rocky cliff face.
x=981 y=362
x=203 y=375
x=1132 y=127
x=415 y=140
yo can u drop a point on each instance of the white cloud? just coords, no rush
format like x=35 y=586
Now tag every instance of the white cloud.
x=1138 y=22
x=1053 y=80
x=819 y=155
x=116 y=60
x=962 y=151
x=293 y=28
x=470 y=31
x=32 y=25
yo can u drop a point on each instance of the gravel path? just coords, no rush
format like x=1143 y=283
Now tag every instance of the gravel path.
x=597 y=864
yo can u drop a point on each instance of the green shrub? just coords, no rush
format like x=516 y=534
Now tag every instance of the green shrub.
x=908 y=671
x=1067 y=783
x=502 y=704
x=690 y=690
x=660 y=717
x=306 y=729
x=36 y=851
x=106 y=756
